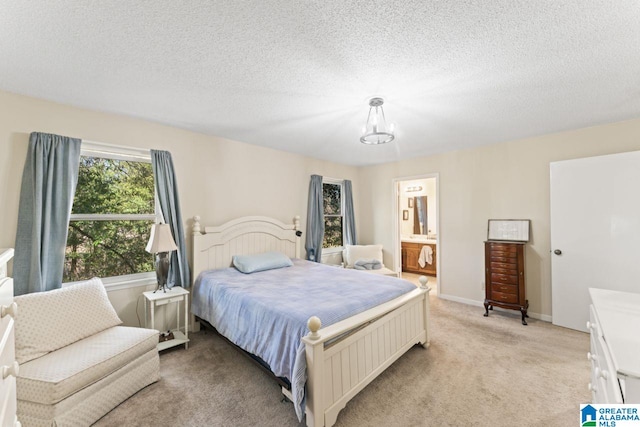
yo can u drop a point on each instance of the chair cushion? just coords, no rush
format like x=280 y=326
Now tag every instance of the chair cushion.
x=50 y=320
x=384 y=271
x=353 y=253
x=59 y=374
x=91 y=403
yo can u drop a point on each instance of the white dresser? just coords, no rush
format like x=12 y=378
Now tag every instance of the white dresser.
x=8 y=364
x=615 y=346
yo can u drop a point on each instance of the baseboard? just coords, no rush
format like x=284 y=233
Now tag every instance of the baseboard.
x=543 y=317
x=461 y=300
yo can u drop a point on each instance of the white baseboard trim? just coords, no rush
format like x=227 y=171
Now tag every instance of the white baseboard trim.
x=543 y=317
x=461 y=300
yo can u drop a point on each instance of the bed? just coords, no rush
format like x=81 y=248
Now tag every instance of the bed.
x=337 y=360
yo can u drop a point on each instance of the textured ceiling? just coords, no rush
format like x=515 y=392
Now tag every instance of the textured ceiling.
x=296 y=75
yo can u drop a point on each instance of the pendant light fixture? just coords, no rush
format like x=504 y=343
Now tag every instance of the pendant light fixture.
x=376 y=130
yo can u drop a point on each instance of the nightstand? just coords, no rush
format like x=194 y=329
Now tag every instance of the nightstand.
x=174 y=295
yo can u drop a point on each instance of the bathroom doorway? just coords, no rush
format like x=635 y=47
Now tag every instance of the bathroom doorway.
x=416 y=228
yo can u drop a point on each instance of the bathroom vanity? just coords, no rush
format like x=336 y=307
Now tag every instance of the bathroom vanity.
x=411 y=250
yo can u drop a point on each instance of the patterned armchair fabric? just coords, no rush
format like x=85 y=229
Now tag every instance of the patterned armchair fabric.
x=76 y=363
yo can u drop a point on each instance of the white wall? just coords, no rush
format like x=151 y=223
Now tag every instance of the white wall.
x=218 y=179
x=505 y=180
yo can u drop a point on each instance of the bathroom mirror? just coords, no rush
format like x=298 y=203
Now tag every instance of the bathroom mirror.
x=420 y=220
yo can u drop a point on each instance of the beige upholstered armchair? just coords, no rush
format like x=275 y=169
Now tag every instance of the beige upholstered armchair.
x=76 y=362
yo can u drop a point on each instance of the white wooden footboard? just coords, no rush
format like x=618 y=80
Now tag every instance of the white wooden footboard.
x=338 y=370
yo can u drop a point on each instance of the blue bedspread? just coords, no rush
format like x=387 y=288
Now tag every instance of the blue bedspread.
x=266 y=313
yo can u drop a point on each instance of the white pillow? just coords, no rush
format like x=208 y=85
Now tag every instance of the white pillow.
x=260 y=262
x=47 y=321
x=353 y=253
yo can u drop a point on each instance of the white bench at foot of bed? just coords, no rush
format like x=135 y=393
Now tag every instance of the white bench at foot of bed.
x=338 y=370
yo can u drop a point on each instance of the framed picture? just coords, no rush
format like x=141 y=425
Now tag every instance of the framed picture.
x=514 y=230
x=405 y=215
x=410 y=202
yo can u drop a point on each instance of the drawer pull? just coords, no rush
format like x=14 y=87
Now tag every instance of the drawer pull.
x=604 y=375
x=591 y=356
x=10 y=370
x=593 y=388
x=11 y=310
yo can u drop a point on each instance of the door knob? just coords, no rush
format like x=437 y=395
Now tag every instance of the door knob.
x=557 y=252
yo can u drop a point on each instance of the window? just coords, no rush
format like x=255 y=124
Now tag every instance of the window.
x=113 y=209
x=333 y=214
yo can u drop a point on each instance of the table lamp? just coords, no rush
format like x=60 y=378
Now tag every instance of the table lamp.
x=161 y=243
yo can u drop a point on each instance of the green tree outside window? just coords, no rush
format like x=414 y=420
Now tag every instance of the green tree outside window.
x=113 y=210
x=332 y=198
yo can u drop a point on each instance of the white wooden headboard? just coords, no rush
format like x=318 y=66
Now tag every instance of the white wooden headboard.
x=242 y=236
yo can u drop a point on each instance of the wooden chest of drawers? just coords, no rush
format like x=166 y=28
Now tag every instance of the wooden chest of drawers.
x=504 y=277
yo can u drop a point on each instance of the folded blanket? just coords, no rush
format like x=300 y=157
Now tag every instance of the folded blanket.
x=367 y=264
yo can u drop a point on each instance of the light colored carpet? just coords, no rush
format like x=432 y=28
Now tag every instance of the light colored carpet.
x=478 y=371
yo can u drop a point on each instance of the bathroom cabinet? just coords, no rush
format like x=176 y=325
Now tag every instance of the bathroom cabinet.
x=411 y=257
x=504 y=277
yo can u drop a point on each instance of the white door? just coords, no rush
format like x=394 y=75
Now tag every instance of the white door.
x=595 y=232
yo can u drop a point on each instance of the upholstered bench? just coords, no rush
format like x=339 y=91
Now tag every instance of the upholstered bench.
x=353 y=253
x=76 y=363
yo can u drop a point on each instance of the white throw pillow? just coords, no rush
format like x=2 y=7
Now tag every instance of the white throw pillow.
x=353 y=253
x=47 y=321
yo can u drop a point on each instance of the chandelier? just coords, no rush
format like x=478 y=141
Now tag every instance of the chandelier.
x=376 y=130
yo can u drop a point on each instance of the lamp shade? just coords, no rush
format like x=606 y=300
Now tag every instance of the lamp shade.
x=161 y=239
